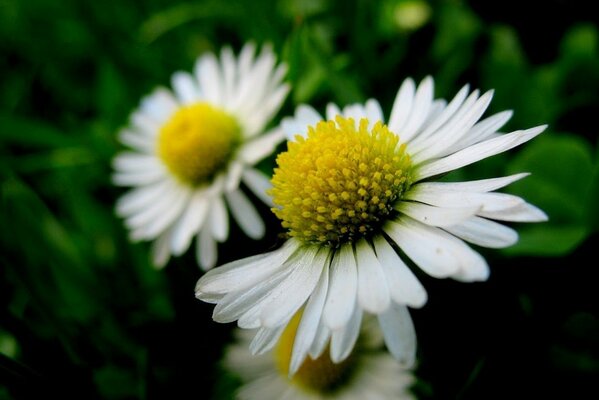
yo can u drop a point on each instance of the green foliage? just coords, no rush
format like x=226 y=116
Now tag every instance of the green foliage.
x=85 y=315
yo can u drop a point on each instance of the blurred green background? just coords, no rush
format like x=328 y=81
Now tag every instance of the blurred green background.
x=85 y=316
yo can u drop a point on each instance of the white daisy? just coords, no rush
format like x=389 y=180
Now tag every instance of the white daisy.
x=368 y=372
x=358 y=198
x=192 y=147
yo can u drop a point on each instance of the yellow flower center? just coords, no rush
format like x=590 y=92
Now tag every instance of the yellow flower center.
x=321 y=375
x=339 y=184
x=197 y=141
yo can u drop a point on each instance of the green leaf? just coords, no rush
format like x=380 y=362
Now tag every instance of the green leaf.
x=580 y=41
x=29 y=132
x=560 y=182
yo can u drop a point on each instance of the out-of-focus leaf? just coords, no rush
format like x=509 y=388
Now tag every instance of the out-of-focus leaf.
x=29 y=132
x=580 y=41
x=560 y=182
x=111 y=94
x=117 y=383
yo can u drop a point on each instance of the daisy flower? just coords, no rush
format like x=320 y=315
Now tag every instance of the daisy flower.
x=359 y=198
x=367 y=373
x=191 y=148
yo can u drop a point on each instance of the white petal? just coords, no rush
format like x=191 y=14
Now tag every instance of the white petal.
x=139 y=178
x=229 y=73
x=422 y=104
x=483 y=185
x=483 y=130
x=332 y=111
x=355 y=111
x=403 y=285
x=402 y=106
x=206 y=250
x=265 y=339
x=159 y=105
x=236 y=303
x=308 y=326
x=320 y=341
x=484 y=232
x=136 y=141
x=245 y=214
x=246 y=58
x=399 y=333
x=259 y=184
x=342 y=290
x=304 y=116
x=474 y=267
x=373 y=112
x=140 y=198
x=436 y=216
x=160 y=250
x=445 y=115
x=425 y=245
x=486 y=202
x=233 y=176
x=145 y=125
x=246 y=272
x=290 y=295
x=373 y=294
x=262 y=146
x=343 y=340
x=185 y=87
x=523 y=212
x=219 y=219
x=209 y=77
x=189 y=222
x=135 y=162
x=442 y=140
x=477 y=152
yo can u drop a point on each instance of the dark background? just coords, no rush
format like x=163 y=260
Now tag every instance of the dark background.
x=83 y=313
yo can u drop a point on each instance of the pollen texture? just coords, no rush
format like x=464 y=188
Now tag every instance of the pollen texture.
x=339 y=183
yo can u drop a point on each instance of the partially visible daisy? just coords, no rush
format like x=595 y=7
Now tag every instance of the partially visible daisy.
x=367 y=373
x=359 y=197
x=192 y=147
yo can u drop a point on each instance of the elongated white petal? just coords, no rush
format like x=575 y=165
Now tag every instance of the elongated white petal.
x=308 y=326
x=480 y=186
x=373 y=294
x=233 y=176
x=189 y=222
x=206 y=250
x=258 y=183
x=320 y=341
x=148 y=226
x=344 y=340
x=209 y=78
x=256 y=149
x=145 y=125
x=136 y=141
x=483 y=130
x=298 y=124
x=373 y=112
x=140 y=198
x=404 y=287
x=246 y=272
x=436 y=216
x=185 y=88
x=523 y=212
x=159 y=105
x=160 y=253
x=423 y=101
x=245 y=214
x=265 y=339
x=483 y=201
x=484 y=232
x=219 y=219
x=332 y=111
x=425 y=245
x=228 y=66
x=402 y=106
x=290 y=295
x=135 y=162
x=236 y=303
x=343 y=288
x=477 y=152
x=399 y=333
x=138 y=178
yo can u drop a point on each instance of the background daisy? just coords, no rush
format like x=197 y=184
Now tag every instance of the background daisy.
x=192 y=147
x=352 y=191
x=368 y=373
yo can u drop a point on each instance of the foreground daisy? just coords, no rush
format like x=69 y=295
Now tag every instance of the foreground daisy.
x=367 y=373
x=191 y=149
x=359 y=199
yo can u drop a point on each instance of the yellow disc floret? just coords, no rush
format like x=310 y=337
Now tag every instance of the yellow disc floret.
x=340 y=182
x=197 y=141
x=321 y=375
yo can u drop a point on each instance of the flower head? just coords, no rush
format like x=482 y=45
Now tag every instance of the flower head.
x=368 y=372
x=192 y=147
x=359 y=199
